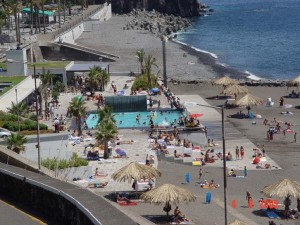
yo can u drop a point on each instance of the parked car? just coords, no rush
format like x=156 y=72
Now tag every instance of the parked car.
x=4 y=133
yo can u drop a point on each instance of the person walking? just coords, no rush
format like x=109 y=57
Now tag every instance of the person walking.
x=263 y=151
x=295 y=137
x=200 y=172
x=237 y=153
x=242 y=152
x=248 y=197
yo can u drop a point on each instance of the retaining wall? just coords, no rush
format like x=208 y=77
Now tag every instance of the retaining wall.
x=71 y=35
x=52 y=203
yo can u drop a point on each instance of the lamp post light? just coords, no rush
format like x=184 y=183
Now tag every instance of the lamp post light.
x=18 y=112
x=36 y=110
x=164 y=40
x=224 y=159
x=37 y=118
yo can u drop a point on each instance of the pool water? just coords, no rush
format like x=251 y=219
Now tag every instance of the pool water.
x=128 y=119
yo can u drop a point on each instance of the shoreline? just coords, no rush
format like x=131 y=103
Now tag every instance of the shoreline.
x=185 y=63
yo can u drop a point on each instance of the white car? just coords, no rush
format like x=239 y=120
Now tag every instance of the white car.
x=4 y=133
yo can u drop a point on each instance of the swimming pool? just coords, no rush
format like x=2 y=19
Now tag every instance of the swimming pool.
x=128 y=119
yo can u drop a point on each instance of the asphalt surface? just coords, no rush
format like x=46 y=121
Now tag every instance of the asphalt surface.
x=13 y=215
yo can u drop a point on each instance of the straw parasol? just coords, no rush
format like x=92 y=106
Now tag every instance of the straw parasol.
x=285 y=188
x=235 y=90
x=237 y=222
x=294 y=82
x=225 y=81
x=166 y=194
x=248 y=100
x=135 y=171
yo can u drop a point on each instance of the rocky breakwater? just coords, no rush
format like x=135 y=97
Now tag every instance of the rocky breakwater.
x=157 y=23
x=184 y=8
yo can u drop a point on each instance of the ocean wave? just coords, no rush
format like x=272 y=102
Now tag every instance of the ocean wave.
x=252 y=76
x=197 y=49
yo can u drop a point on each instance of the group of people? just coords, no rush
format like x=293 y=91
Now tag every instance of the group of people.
x=277 y=127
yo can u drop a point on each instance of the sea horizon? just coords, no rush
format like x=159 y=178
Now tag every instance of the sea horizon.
x=254 y=37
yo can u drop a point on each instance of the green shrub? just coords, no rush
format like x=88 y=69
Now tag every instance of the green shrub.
x=55 y=94
x=24 y=125
x=10 y=125
x=59 y=86
x=141 y=81
x=8 y=117
x=54 y=163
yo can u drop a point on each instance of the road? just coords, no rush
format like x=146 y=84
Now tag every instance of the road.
x=11 y=215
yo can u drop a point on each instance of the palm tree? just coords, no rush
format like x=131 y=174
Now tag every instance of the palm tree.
x=78 y=110
x=3 y=17
x=106 y=115
x=141 y=57
x=42 y=3
x=16 y=142
x=21 y=109
x=94 y=77
x=104 y=79
x=14 y=6
x=149 y=62
x=44 y=88
x=106 y=131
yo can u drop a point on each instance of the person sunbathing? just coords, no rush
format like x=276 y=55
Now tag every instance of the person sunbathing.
x=231 y=173
x=122 y=198
x=228 y=157
x=98 y=174
x=125 y=142
x=179 y=216
x=176 y=155
x=97 y=185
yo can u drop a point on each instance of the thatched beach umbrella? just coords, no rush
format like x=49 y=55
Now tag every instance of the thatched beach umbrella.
x=166 y=194
x=235 y=90
x=237 y=222
x=248 y=100
x=285 y=188
x=225 y=81
x=294 y=82
x=135 y=171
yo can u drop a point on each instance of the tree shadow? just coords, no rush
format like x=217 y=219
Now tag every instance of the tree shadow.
x=158 y=219
x=218 y=97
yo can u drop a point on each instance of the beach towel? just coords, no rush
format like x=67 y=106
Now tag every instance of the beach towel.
x=270 y=213
x=124 y=203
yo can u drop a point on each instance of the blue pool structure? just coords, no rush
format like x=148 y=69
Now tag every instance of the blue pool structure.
x=128 y=119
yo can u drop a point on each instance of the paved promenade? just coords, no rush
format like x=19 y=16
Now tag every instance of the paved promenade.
x=24 y=88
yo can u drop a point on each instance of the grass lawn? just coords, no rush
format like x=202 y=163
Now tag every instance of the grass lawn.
x=3 y=66
x=49 y=64
x=15 y=80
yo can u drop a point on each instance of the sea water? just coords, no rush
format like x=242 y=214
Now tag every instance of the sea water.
x=261 y=37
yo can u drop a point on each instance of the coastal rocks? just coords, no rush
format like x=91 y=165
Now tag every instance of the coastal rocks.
x=184 y=8
x=157 y=23
x=243 y=82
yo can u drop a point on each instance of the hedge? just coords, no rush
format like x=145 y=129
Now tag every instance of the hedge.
x=24 y=125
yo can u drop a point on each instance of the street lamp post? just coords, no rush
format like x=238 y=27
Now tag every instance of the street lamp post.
x=224 y=158
x=164 y=40
x=37 y=119
x=36 y=110
x=16 y=90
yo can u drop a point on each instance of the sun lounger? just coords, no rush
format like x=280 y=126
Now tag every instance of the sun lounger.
x=271 y=214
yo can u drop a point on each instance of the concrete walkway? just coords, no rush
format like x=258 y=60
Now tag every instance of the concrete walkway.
x=25 y=88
